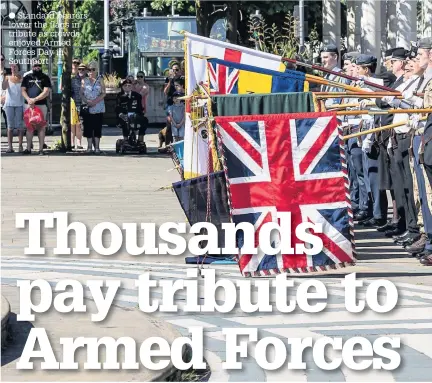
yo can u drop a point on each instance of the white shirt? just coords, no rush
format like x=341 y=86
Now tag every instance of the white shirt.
x=408 y=85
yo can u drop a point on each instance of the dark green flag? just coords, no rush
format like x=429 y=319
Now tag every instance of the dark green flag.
x=259 y=104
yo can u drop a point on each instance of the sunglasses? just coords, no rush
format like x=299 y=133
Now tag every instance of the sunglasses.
x=140 y=76
x=76 y=62
x=81 y=69
x=93 y=69
x=176 y=70
x=37 y=66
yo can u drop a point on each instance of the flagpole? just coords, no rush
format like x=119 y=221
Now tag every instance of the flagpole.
x=380 y=129
x=388 y=111
x=339 y=74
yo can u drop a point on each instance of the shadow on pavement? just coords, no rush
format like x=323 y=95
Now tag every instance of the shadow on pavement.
x=18 y=333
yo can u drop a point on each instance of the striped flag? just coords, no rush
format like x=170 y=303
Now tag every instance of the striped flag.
x=196 y=147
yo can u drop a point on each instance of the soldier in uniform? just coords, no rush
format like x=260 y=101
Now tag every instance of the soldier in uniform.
x=422 y=141
x=378 y=205
x=392 y=79
x=329 y=60
x=358 y=192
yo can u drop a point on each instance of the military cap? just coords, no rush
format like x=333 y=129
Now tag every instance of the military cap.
x=366 y=60
x=389 y=52
x=330 y=48
x=351 y=56
x=399 y=54
x=425 y=43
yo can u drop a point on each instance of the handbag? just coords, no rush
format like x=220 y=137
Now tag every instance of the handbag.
x=85 y=109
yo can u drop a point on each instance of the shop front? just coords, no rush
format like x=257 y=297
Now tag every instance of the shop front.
x=154 y=44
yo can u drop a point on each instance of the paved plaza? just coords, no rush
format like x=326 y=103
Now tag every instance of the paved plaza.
x=132 y=188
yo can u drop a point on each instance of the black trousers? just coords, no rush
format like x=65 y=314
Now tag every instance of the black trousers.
x=403 y=184
x=141 y=120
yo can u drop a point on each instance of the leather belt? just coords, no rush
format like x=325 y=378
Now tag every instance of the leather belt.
x=401 y=136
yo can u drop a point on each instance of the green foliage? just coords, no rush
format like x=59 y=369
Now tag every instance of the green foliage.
x=86 y=23
x=280 y=42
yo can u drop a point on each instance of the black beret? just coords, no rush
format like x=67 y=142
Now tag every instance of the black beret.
x=366 y=60
x=399 y=54
x=351 y=56
x=330 y=48
x=425 y=43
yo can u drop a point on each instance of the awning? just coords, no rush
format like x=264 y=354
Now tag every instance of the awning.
x=158 y=35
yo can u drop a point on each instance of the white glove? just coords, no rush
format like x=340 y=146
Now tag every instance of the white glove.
x=414 y=120
x=388 y=99
x=367 y=145
x=364 y=104
x=389 y=148
x=407 y=94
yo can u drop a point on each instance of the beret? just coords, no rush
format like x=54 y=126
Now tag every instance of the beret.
x=425 y=43
x=351 y=56
x=330 y=48
x=366 y=60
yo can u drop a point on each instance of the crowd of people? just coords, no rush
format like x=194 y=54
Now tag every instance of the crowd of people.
x=397 y=161
x=30 y=90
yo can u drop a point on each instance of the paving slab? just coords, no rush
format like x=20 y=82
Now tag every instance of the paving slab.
x=120 y=322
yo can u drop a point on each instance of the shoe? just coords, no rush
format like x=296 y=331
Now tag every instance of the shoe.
x=362 y=216
x=20 y=149
x=27 y=151
x=41 y=153
x=80 y=147
x=418 y=246
x=409 y=239
x=10 y=150
x=389 y=225
x=45 y=146
x=426 y=260
x=401 y=236
x=374 y=222
x=424 y=253
x=394 y=232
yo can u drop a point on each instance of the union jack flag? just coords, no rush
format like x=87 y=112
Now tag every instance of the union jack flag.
x=223 y=80
x=288 y=163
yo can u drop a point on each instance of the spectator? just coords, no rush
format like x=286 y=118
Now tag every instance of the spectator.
x=177 y=117
x=169 y=89
x=35 y=89
x=14 y=107
x=142 y=88
x=3 y=93
x=93 y=94
x=179 y=85
x=79 y=71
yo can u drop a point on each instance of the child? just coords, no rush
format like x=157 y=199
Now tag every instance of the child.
x=177 y=117
x=179 y=85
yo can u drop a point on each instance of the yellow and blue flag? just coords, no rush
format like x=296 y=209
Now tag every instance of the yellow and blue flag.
x=227 y=77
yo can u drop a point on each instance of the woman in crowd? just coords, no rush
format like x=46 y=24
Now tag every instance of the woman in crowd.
x=141 y=87
x=93 y=94
x=14 y=107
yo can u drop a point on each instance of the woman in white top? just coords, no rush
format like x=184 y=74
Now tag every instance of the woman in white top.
x=14 y=106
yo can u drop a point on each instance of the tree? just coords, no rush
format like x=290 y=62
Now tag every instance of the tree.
x=68 y=7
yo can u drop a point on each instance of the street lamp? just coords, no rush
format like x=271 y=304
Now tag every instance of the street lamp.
x=60 y=50
x=106 y=57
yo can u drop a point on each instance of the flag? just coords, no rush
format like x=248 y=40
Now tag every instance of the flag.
x=193 y=197
x=288 y=163
x=258 y=104
x=235 y=78
x=197 y=159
